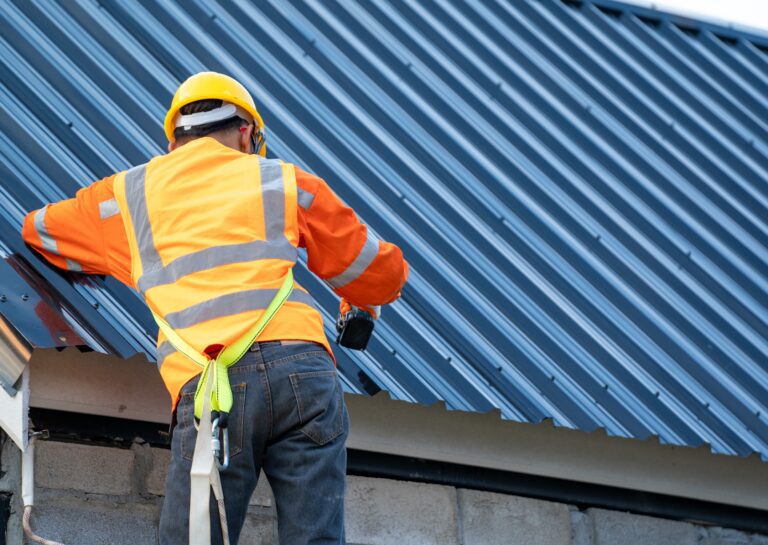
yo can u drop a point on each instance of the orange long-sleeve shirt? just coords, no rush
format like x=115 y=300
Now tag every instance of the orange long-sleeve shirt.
x=86 y=234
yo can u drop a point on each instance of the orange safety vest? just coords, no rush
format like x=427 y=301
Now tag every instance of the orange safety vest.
x=212 y=234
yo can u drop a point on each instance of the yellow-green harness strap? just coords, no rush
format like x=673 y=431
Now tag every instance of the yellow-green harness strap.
x=221 y=393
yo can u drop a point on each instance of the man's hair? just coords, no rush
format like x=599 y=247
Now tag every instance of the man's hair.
x=203 y=130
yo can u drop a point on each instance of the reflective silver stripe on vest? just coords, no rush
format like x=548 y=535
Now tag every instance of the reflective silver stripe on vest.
x=276 y=245
x=273 y=198
x=136 y=197
x=163 y=351
x=231 y=303
x=367 y=254
x=305 y=198
x=49 y=243
x=216 y=256
x=107 y=209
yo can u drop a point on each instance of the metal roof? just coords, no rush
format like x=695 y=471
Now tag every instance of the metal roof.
x=579 y=187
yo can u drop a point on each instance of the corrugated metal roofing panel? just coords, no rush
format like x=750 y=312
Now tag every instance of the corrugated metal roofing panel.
x=580 y=187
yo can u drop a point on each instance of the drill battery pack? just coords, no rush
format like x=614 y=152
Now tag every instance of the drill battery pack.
x=355 y=329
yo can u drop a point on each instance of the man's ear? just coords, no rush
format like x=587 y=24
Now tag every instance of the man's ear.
x=172 y=146
x=245 y=139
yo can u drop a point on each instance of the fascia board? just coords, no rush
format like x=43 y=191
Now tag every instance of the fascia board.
x=93 y=383
x=380 y=424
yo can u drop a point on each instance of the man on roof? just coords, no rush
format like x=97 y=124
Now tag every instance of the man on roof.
x=208 y=235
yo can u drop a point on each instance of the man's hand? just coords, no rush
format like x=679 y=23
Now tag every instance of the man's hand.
x=355 y=325
x=345 y=307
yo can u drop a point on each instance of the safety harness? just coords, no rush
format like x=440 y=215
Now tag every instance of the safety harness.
x=213 y=401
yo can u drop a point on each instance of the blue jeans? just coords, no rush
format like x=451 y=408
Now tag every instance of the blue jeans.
x=288 y=419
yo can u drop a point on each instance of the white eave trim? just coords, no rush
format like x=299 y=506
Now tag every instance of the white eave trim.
x=380 y=424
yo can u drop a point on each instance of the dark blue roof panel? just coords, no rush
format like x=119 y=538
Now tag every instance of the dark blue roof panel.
x=580 y=188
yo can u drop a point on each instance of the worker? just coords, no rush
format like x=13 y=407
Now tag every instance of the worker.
x=208 y=235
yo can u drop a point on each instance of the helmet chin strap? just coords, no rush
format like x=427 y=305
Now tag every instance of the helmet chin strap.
x=257 y=142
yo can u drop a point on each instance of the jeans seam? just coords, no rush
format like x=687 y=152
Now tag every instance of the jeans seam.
x=310 y=374
x=293 y=357
x=268 y=399
x=183 y=418
x=340 y=417
x=236 y=369
x=243 y=387
x=299 y=404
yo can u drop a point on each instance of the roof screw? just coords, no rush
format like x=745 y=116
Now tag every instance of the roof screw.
x=25 y=297
x=62 y=338
x=96 y=306
x=3 y=298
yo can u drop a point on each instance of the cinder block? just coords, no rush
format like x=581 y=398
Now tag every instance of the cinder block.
x=262 y=496
x=723 y=541
x=388 y=512
x=96 y=523
x=617 y=528
x=488 y=518
x=96 y=469
x=723 y=536
x=259 y=530
x=10 y=483
x=581 y=528
x=10 y=464
x=155 y=480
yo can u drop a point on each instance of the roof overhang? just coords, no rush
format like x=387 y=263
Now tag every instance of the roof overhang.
x=28 y=319
x=96 y=384
x=380 y=424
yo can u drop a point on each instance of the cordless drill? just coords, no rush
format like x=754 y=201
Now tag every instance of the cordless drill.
x=355 y=328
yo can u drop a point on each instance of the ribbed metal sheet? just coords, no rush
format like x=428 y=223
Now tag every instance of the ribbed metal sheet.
x=580 y=188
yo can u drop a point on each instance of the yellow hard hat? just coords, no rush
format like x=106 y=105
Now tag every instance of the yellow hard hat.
x=211 y=85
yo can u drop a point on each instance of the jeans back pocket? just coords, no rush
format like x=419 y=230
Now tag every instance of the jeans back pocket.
x=320 y=404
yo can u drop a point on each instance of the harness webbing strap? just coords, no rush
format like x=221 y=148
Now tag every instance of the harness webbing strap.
x=203 y=466
x=221 y=393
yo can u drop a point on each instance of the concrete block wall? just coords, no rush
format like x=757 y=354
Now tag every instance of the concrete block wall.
x=91 y=495
x=10 y=491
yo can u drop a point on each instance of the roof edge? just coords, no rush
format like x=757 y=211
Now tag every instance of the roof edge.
x=718 y=27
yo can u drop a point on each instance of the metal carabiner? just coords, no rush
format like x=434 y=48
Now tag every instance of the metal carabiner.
x=216 y=445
